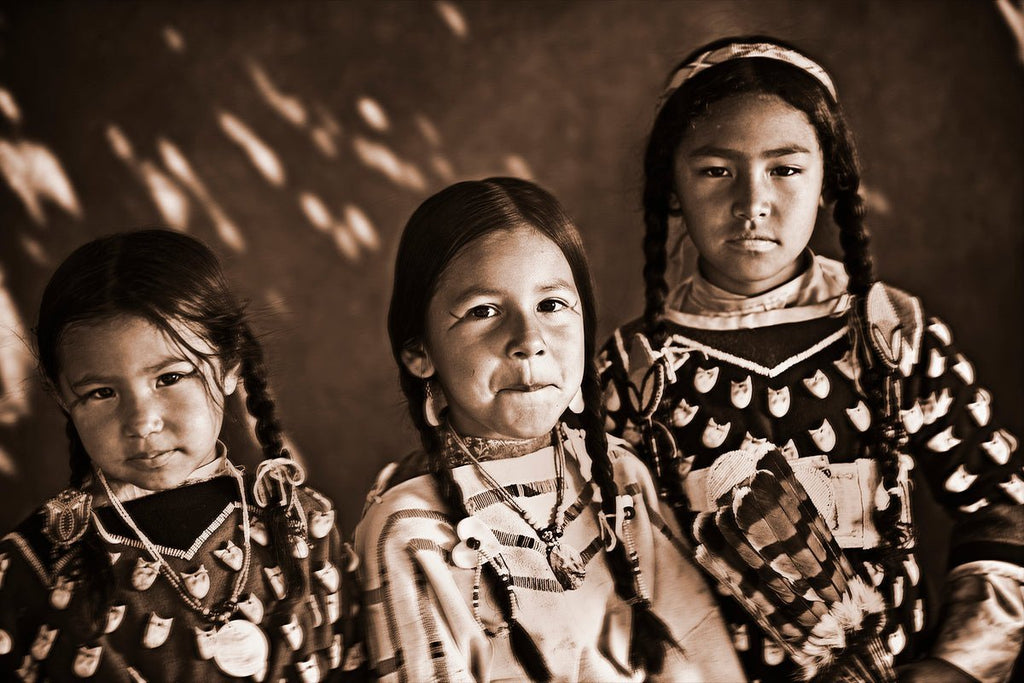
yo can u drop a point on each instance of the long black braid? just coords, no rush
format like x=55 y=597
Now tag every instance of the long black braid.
x=693 y=100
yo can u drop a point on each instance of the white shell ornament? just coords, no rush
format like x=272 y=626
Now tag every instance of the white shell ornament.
x=936 y=407
x=292 y=633
x=257 y=532
x=773 y=654
x=156 y=631
x=114 y=617
x=308 y=670
x=847 y=365
x=87 y=660
x=981 y=408
x=206 y=641
x=913 y=419
x=275 y=577
x=1014 y=488
x=43 y=642
x=818 y=384
x=6 y=643
x=715 y=434
x=198 y=582
x=960 y=480
x=860 y=416
x=897 y=641
x=941 y=332
x=300 y=549
x=751 y=443
x=964 y=369
x=60 y=596
x=144 y=574
x=936 y=364
x=741 y=392
x=314 y=611
x=704 y=379
x=913 y=570
x=790 y=451
x=918 y=615
x=740 y=637
x=231 y=555
x=332 y=602
x=1000 y=446
x=252 y=608
x=975 y=506
x=683 y=414
x=328 y=576
x=475 y=539
x=778 y=401
x=943 y=441
x=824 y=437
x=320 y=523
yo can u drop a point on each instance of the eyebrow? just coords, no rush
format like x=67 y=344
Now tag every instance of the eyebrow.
x=104 y=379
x=481 y=291
x=712 y=151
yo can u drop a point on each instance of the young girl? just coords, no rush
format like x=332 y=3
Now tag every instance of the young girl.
x=163 y=561
x=514 y=545
x=770 y=344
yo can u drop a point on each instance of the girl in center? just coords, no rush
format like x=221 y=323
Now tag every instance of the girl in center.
x=520 y=542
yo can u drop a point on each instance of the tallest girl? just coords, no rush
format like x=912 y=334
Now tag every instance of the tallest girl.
x=770 y=345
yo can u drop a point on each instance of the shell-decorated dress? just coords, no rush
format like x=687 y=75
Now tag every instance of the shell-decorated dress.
x=430 y=615
x=780 y=368
x=149 y=632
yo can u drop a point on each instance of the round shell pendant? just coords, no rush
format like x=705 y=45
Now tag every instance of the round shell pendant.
x=241 y=648
x=567 y=566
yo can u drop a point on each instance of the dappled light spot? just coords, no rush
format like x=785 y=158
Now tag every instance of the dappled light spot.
x=35 y=174
x=119 y=143
x=346 y=242
x=876 y=201
x=16 y=360
x=1013 y=14
x=35 y=250
x=428 y=130
x=260 y=154
x=517 y=167
x=174 y=40
x=324 y=142
x=373 y=114
x=7 y=466
x=276 y=302
x=289 y=107
x=442 y=167
x=379 y=157
x=362 y=228
x=171 y=202
x=9 y=106
x=453 y=17
x=316 y=211
x=181 y=169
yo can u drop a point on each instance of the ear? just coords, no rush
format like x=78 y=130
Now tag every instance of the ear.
x=417 y=360
x=231 y=379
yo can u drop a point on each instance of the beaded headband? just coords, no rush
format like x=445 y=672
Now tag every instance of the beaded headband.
x=744 y=50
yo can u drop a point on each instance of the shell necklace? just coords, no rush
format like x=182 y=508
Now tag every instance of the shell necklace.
x=240 y=648
x=565 y=562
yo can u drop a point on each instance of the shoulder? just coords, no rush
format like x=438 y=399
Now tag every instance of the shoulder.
x=47 y=541
x=896 y=326
x=398 y=509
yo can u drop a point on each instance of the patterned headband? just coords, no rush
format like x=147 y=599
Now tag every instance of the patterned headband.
x=741 y=51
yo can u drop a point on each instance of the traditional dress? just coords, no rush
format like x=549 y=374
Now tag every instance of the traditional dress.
x=429 y=615
x=779 y=368
x=150 y=633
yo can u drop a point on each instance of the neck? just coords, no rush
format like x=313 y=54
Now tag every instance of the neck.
x=485 y=449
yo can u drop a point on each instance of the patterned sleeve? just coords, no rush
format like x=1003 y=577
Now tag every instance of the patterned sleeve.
x=974 y=468
x=418 y=626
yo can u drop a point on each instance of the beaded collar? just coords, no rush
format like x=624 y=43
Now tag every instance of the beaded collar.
x=488 y=449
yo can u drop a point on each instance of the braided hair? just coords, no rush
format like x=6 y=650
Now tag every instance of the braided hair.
x=173 y=281
x=692 y=100
x=438 y=230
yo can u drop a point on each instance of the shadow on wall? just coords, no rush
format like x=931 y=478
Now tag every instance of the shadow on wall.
x=296 y=138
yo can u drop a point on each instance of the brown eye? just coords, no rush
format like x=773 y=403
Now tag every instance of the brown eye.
x=482 y=312
x=551 y=306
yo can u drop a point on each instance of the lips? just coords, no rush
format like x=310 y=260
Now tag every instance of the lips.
x=152 y=454
x=527 y=388
x=754 y=242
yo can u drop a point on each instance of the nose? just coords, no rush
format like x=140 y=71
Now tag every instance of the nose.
x=526 y=339
x=752 y=198
x=142 y=415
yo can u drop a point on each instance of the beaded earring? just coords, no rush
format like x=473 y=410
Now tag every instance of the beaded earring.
x=433 y=405
x=577 y=405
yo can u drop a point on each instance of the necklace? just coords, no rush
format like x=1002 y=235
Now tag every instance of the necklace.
x=566 y=564
x=240 y=647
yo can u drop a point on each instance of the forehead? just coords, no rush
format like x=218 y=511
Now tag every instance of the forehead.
x=751 y=123
x=123 y=344
x=519 y=258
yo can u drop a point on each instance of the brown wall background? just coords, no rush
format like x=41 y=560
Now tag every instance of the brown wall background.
x=563 y=92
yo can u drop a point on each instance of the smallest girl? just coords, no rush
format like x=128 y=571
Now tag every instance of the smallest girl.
x=520 y=543
x=163 y=561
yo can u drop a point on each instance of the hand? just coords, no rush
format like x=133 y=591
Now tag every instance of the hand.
x=932 y=670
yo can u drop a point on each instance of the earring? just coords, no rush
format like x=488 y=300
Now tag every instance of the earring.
x=675 y=207
x=433 y=405
x=577 y=404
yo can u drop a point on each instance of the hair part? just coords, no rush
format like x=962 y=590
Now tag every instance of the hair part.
x=437 y=231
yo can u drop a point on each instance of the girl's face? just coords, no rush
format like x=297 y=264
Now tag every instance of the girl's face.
x=749 y=177
x=147 y=411
x=505 y=336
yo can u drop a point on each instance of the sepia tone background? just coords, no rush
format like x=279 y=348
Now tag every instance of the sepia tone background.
x=296 y=138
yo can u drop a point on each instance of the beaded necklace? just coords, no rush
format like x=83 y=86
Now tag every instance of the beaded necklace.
x=221 y=614
x=565 y=562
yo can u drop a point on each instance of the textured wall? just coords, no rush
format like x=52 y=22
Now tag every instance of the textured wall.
x=296 y=138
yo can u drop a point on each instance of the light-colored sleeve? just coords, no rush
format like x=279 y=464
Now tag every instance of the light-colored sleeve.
x=678 y=592
x=983 y=623
x=418 y=624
